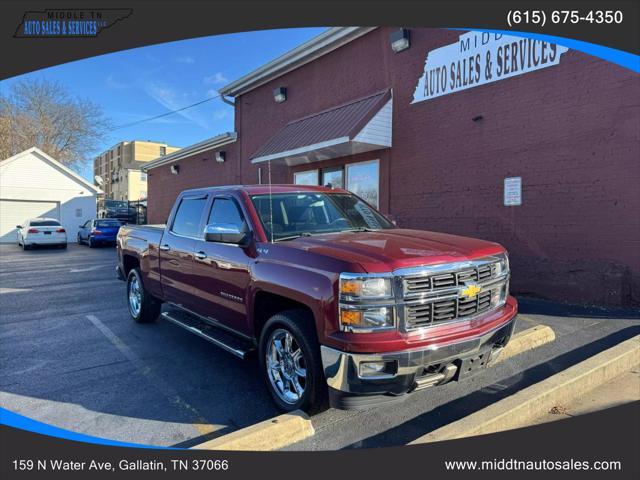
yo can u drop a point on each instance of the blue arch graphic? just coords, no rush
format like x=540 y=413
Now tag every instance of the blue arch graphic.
x=16 y=420
x=613 y=55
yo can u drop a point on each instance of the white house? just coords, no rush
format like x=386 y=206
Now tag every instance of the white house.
x=32 y=184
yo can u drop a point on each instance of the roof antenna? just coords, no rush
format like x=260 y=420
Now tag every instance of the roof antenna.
x=270 y=201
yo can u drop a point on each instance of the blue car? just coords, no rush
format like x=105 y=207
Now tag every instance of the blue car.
x=99 y=231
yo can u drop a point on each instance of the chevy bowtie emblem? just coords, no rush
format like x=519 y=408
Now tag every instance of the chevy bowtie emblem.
x=471 y=291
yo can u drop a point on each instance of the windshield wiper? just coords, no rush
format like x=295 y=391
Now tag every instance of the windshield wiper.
x=362 y=229
x=293 y=237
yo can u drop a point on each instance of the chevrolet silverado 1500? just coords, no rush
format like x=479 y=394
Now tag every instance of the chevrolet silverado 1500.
x=331 y=295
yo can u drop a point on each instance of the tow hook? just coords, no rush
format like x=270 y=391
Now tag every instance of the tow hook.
x=445 y=374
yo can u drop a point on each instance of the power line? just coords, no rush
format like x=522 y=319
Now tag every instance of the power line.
x=126 y=125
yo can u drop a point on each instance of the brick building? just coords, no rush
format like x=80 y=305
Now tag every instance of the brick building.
x=521 y=142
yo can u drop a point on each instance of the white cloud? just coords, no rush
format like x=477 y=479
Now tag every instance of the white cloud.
x=189 y=60
x=112 y=82
x=136 y=117
x=220 y=114
x=172 y=99
x=215 y=79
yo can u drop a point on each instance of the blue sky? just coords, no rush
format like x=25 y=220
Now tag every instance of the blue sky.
x=148 y=81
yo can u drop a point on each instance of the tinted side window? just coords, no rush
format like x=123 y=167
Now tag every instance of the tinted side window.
x=187 y=221
x=225 y=210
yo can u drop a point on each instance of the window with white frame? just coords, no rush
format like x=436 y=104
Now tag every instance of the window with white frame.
x=363 y=179
x=308 y=177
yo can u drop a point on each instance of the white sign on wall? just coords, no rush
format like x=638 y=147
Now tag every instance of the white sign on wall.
x=512 y=191
x=482 y=57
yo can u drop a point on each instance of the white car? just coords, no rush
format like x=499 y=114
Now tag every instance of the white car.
x=41 y=231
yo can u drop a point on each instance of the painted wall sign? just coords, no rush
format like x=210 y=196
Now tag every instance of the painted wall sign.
x=512 y=191
x=479 y=58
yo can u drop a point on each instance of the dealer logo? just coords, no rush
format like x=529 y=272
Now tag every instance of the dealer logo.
x=471 y=291
x=67 y=23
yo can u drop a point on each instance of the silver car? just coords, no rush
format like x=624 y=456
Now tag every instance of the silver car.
x=41 y=231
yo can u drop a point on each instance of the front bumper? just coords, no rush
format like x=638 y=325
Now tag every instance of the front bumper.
x=415 y=369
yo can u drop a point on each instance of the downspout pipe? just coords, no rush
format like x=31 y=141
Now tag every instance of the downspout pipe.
x=227 y=101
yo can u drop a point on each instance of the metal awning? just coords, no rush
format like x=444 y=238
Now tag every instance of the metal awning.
x=360 y=126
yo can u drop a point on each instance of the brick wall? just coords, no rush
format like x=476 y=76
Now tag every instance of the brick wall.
x=200 y=170
x=571 y=131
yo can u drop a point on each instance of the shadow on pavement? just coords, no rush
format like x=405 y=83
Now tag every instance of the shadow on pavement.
x=463 y=406
x=538 y=306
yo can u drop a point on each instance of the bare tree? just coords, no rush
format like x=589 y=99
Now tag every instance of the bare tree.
x=41 y=113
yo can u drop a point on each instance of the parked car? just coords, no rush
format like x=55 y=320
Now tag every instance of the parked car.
x=99 y=231
x=41 y=231
x=330 y=294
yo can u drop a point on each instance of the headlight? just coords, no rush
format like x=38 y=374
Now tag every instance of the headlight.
x=363 y=287
x=499 y=295
x=366 y=319
x=503 y=264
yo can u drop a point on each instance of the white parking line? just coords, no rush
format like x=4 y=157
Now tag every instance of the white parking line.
x=201 y=424
x=13 y=290
x=88 y=269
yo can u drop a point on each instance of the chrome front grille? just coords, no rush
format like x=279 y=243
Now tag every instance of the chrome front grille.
x=421 y=284
x=434 y=295
x=427 y=314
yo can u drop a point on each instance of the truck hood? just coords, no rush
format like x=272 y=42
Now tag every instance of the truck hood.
x=387 y=250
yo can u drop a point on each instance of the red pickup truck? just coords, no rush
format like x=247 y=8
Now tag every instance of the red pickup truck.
x=324 y=288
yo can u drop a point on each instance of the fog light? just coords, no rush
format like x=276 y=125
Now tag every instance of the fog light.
x=378 y=368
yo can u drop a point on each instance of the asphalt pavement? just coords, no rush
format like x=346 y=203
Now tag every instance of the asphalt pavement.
x=71 y=356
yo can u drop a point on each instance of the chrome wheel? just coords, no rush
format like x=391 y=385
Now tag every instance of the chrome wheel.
x=286 y=366
x=135 y=296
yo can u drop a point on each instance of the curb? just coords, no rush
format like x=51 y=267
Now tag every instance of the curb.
x=527 y=340
x=272 y=434
x=524 y=406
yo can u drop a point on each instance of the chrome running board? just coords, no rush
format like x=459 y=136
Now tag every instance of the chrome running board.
x=220 y=338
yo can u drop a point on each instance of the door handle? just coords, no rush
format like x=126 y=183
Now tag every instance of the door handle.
x=165 y=247
x=200 y=255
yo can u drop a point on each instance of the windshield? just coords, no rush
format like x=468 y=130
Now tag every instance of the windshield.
x=310 y=213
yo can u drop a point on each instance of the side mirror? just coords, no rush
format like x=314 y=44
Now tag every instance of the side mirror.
x=226 y=233
x=18 y=227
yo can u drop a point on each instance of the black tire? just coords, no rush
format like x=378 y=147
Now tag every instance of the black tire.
x=91 y=243
x=301 y=326
x=25 y=246
x=149 y=305
x=79 y=240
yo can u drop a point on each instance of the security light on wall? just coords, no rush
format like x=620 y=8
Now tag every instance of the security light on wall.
x=400 y=40
x=175 y=169
x=221 y=156
x=280 y=94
